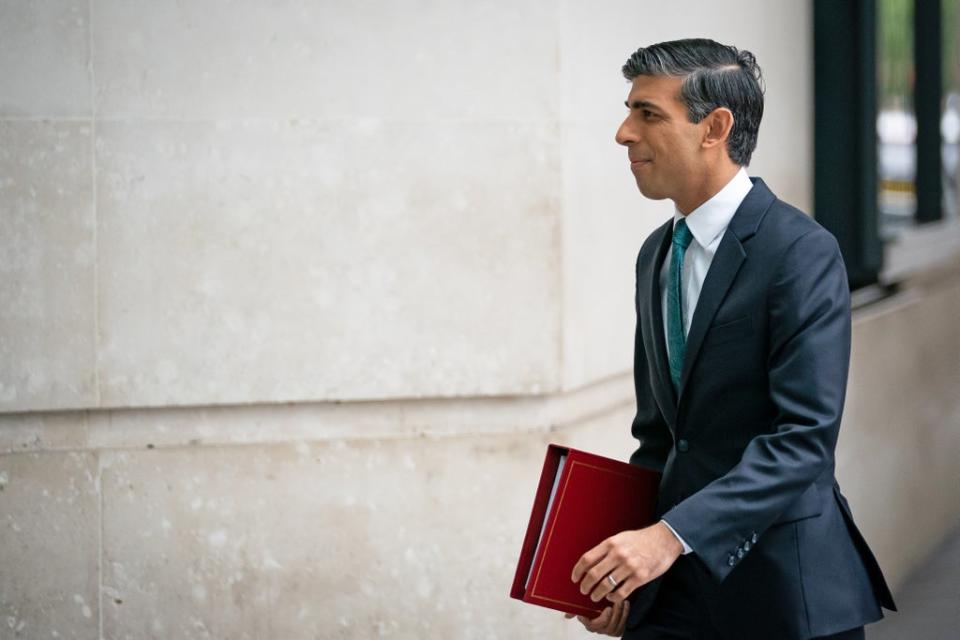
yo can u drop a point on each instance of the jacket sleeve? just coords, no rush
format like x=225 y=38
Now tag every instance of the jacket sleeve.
x=649 y=428
x=808 y=360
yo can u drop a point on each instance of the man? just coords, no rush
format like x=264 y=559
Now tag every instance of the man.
x=740 y=368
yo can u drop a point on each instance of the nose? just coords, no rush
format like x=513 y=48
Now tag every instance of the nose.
x=626 y=134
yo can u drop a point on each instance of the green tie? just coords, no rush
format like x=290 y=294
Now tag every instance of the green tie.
x=675 y=335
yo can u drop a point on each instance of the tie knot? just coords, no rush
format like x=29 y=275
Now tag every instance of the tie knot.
x=681 y=234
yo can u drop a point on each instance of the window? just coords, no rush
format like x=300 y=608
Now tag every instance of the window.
x=887 y=131
x=896 y=118
x=950 y=114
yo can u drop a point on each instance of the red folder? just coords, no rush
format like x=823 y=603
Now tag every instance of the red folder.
x=582 y=500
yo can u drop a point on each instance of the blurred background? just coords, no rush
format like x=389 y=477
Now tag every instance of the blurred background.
x=293 y=295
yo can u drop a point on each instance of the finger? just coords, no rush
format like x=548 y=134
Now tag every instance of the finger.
x=615 y=619
x=597 y=574
x=587 y=560
x=600 y=621
x=624 y=590
x=568 y=615
x=604 y=586
x=622 y=623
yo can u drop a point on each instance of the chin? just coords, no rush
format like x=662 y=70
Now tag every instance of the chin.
x=651 y=192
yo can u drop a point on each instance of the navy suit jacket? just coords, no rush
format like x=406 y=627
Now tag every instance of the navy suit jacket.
x=746 y=447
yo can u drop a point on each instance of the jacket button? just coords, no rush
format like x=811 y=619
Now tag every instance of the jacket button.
x=754 y=537
x=683 y=446
x=747 y=545
x=740 y=553
x=731 y=561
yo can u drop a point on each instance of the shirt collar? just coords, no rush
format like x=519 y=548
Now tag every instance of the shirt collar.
x=711 y=219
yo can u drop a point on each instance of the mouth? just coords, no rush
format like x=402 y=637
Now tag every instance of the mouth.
x=639 y=163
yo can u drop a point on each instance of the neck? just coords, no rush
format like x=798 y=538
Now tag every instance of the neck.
x=708 y=186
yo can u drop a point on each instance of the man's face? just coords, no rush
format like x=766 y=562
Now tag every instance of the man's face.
x=663 y=146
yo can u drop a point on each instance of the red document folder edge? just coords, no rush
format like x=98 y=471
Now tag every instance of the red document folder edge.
x=589 y=500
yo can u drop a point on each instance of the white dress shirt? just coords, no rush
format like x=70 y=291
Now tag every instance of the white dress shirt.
x=707 y=224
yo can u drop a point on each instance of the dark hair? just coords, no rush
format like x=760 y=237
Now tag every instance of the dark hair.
x=714 y=75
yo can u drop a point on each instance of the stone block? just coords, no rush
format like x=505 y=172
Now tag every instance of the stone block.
x=47 y=266
x=49 y=544
x=45 y=59
x=414 y=60
x=394 y=538
x=279 y=261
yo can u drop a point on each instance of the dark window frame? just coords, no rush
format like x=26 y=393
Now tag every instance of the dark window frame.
x=845 y=116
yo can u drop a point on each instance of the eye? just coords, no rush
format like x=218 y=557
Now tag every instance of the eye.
x=648 y=115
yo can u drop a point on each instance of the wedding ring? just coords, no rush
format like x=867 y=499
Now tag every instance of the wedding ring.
x=613 y=581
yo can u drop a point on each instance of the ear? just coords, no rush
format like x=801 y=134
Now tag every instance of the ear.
x=718 y=125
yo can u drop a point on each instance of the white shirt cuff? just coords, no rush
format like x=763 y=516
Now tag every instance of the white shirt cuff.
x=686 y=547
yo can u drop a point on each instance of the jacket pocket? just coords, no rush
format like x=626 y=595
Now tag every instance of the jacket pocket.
x=807 y=505
x=731 y=330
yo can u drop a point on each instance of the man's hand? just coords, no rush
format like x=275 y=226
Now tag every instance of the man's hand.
x=611 y=622
x=633 y=558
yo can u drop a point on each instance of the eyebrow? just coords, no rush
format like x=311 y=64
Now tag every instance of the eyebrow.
x=641 y=104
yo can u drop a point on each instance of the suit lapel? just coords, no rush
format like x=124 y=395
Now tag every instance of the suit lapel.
x=724 y=268
x=654 y=337
x=726 y=263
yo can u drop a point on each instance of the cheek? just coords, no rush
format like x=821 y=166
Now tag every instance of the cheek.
x=683 y=150
x=691 y=141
